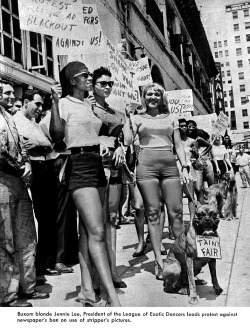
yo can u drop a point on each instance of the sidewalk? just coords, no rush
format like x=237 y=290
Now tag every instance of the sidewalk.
x=144 y=290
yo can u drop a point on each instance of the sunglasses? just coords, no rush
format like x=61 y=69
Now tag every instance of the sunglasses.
x=104 y=84
x=83 y=74
x=183 y=126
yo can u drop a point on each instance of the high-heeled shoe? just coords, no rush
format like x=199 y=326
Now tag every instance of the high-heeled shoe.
x=88 y=303
x=142 y=252
x=158 y=271
x=119 y=284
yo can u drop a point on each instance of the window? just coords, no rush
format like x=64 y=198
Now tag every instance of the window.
x=227 y=64
x=239 y=63
x=224 y=94
x=236 y=27
x=230 y=92
x=10 y=33
x=243 y=100
x=241 y=75
x=222 y=73
x=220 y=54
x=232 y=114
x=216 y=54
x=247 y=25
x=228 y=73
x=220 y=44
x=215 y=44
x=248 y=62
x=226 y=53
x=246 y=125
x=222 y=65
x=229 y=81
x=235 y=14
x=247 y=37
x=225 y=43
x=242 y=88
x=237 y=39
x=248 y=50
x=238 y=52
x=41 y=53
x=244 y=112
x=225 y=103
x=246 y=12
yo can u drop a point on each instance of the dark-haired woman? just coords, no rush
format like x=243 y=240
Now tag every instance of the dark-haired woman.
x=113 y=127
x=76 y=121
x=202 y=164
x=156 y=170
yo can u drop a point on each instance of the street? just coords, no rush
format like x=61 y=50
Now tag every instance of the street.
x=143 y=290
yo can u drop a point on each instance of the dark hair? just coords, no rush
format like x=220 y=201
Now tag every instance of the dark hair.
x=228 y=144
x=29 y=94
x=182 y=120
x=100 y=72
x=192 y=122
x=6 y=82
x=203 y=134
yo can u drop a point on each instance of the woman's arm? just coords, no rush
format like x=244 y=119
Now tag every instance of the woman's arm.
x=181 y=154
x=127 y=130
x=202 y=142
x=215 y=161
x=226 y=158
x=56 y=128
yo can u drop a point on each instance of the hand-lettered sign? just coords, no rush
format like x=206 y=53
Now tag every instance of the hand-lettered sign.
x=180 y=101
x=140 y=71
x=205 y=122
x=208 y=247
x=68 y=19
x=221 y=124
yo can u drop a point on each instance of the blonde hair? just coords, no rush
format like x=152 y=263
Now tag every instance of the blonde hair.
x=157 y=87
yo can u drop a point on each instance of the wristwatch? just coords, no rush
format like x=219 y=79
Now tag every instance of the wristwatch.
x=185 y=167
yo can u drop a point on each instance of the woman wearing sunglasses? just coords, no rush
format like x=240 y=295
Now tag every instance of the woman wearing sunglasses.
x=74 y=119
x=158 y=131
x=113 y=132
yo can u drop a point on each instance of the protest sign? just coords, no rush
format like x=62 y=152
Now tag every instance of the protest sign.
x=205 y=122
x=221 y=124
x=180 y=101
x=237 y=137
x=208 y=247
x=140 y=71
x=63 y=19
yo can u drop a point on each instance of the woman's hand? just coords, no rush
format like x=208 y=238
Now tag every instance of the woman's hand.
x=56 y=91
x=128 y=110
x=185 y=175
x=27 y=174
x=118 y=157
x=104 y=151
x=218 y=172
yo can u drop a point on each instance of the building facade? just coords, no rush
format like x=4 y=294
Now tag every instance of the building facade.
x=228 y=32
x=169 y=32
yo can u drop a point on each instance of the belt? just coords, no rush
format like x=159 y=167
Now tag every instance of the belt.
x=87 y=149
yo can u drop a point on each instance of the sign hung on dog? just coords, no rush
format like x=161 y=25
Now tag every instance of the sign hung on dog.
x=208 y=246
x=66 y=19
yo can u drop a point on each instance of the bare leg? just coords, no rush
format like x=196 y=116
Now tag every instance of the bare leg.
x=172 y=195
x=114 y=195
x=139 y=219
x=198 y=186
x=150 y=193
x=89 y=206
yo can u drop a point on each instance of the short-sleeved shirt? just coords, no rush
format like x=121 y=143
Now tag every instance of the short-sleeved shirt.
x=219 y=152
x=243 y=160
x=112 y=124
x=155 y=131
x=82 y=125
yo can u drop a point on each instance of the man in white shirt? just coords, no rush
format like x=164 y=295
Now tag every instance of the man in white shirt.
x=243 y=161
x=44 y=182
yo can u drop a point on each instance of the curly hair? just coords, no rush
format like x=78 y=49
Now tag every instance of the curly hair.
x=157 y=87
x=100 y=72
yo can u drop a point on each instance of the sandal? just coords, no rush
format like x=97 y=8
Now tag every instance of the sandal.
x=158 y=271
x=87 y=303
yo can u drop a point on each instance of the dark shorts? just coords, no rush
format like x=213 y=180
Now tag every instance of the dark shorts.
x=113 y=174
x=156 y=164
x=86 y=171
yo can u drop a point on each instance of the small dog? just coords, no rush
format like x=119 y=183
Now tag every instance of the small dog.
x=182 y=264
x=224 y=196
